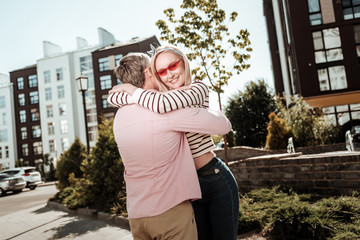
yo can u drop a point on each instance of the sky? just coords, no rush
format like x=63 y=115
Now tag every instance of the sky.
x=24 y=25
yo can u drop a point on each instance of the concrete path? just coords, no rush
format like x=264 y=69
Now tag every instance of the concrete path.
x=41 y=222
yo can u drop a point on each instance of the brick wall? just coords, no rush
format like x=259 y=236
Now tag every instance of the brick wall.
x=334 y=173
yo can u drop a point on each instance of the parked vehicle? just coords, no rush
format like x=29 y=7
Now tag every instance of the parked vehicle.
x=11 y=183
x=30 y=174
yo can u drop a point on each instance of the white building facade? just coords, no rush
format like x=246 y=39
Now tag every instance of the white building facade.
x=61 y=104
x=8 y=151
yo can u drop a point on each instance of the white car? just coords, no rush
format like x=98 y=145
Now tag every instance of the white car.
x=11 y=183
x=30 y=175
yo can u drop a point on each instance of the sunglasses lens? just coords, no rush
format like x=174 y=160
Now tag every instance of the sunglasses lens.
x=162 y=72
x=174 y=66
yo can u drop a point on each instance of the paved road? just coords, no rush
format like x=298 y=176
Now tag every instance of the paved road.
x=25 y=216
x=26 y=199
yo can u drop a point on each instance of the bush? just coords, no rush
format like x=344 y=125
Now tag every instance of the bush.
x=104 y=170
x=310 y=127
x=288 y=214
x=70 y=162
x=278 y=133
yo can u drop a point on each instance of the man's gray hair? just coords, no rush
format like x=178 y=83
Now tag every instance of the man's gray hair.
x=131 y=67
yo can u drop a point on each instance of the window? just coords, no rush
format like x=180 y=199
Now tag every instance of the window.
x=314 y=12
x=64 y=126
x=59 y=74
x=92 y=133
x=20 y=83
x=327 y=45
x=25 y=149
x=357 y=38
x=47 y=78
x=104 y=64
x=32 y=81
x=351 y=9
x=2 y=102
x=105 y=82
x=3 y=135
x=1 y=155
x=332 y=78
x=35 y=114
x=105 y=103
x=4 y=118
x=23 y=133
x=65 y=144
x=48 y=94
x=86 y=64
x=6 y=151
x=51 y=128
x=91 y=115
x=61 y=91
x=21 y=99
x=36 y=131
x=49 y=111
x=37 y=147
x=62 y=109
x=34 y=97
x=52 y=145
x=117 y=59
x=22 y=114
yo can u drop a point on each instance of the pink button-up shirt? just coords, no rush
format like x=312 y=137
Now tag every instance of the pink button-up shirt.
x=159 y=168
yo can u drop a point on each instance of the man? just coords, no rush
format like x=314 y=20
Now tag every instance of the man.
x=160 y=175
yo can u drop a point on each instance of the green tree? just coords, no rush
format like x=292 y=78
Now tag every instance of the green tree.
x=309 y=126
x=248 y=113
x=104 y=170
x=278 y=133
x=70 y=162
x=202 y=31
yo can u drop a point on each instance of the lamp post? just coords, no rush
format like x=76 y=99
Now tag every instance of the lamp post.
x=82 y=83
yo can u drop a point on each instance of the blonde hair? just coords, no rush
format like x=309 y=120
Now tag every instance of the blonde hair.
x=177 y=51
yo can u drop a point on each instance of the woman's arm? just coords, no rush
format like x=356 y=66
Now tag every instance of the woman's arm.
x=163 y=102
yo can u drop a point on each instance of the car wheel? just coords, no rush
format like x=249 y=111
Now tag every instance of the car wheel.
x=32 y=187
x=2 y=192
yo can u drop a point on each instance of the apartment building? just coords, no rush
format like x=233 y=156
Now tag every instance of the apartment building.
x=48 y=104
x=8 y=153
x=105 y=59
x=27 y=115
x=315 y=52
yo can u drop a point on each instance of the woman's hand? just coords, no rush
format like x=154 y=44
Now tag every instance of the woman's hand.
x=125 y=87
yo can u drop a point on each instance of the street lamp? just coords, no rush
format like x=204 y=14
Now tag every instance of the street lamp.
x=82 y=83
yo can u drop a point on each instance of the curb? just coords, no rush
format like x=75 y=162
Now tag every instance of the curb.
x=119 y=221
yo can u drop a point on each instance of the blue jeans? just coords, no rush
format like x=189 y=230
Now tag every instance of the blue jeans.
x=217 y=212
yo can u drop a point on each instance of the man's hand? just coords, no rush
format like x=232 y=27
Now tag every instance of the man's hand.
x=125 y=87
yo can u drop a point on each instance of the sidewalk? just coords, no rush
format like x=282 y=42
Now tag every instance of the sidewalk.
x=42 y=222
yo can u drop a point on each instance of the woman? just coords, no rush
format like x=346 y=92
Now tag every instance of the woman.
x=217 y=212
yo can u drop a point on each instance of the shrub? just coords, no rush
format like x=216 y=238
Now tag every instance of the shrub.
x=104 y=170
x=70 y=162
x=278 y=133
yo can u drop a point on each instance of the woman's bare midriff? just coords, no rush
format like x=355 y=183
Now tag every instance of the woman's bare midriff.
x=203 y=159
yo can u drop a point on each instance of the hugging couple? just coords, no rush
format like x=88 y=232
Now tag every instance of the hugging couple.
x=176 y=186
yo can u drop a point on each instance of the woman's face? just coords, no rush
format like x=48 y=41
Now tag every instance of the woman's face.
x=171 y=70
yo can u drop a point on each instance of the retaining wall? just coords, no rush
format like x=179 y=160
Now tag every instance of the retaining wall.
x=334 y=173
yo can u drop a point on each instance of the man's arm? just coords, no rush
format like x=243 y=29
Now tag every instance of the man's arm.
x=199 y=120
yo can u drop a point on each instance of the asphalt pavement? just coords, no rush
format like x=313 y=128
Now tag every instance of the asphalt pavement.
x=42 y=222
